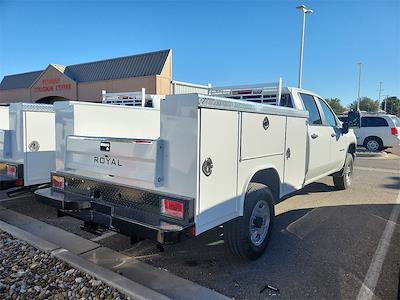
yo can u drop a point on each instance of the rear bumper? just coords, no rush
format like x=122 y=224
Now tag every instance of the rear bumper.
x=7 y=182
x=121 y=219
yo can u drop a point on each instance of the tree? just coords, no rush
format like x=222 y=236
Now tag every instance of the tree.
x=335 y=104
x=366 y=104
x=392 y=105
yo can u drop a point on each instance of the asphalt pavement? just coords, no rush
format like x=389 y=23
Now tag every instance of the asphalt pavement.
x=326 y=244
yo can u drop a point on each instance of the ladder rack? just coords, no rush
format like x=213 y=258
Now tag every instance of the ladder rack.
x=132 y=99
x=268 y=93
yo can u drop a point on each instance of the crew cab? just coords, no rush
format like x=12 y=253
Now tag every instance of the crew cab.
x=198 y=162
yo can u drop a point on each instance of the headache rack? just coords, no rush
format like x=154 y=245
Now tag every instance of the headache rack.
x=139 y=98
x=268 y=93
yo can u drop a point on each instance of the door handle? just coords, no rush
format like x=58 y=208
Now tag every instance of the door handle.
x=333 y=134
x=314 y=136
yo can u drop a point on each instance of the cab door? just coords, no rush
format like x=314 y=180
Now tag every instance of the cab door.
x=319 y=135
x=337 y=141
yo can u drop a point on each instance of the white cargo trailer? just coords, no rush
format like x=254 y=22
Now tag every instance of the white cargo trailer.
x=199 y=162
x=27 y=144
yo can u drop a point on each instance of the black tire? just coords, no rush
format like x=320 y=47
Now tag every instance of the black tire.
x=373 y=140
x=237 y=231
x=344 y=181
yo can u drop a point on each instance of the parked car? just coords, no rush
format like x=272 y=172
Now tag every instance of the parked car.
x=377 y=131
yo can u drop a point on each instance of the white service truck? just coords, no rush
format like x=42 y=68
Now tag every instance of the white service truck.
x=27 y=144
x=199 y=162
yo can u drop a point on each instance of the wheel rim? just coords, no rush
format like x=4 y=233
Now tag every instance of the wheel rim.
x=373 y=145
x=348 y=174
x=259 y=222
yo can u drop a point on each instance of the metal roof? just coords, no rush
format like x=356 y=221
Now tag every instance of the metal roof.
x=19 y=81
x=145 y=64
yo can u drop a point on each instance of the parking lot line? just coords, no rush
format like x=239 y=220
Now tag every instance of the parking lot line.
x=371 y=279
x=377 y=170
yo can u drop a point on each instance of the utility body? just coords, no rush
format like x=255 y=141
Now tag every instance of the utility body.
x=27 y=144
x=198 y=162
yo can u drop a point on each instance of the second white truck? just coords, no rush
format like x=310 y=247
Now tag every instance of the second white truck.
x=199 y=162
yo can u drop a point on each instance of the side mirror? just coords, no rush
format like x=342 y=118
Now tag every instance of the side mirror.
x=345 y=127
x=353 y=119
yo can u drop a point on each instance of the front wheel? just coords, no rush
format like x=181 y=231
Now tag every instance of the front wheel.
x=248 y=236
x=345 y=180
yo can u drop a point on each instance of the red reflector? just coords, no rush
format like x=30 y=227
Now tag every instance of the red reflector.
x=172 y=208
x=11 y=170
x=191 y=232
x=19 y=182
x=243 y=92
x=394 y=131
x=57 y=182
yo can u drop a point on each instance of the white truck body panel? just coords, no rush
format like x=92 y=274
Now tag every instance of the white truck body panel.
x=30 y=124
x=4 y=118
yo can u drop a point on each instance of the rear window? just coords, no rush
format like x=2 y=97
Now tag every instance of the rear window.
x=373 y=122
x=286 y=100
x=396 y=121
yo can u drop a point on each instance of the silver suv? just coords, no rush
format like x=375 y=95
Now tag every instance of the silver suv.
x=377 y=131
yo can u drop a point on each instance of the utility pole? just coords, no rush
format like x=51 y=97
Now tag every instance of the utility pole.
x=303 y=26
x=359 y=85
x=380 y=90
x=385 y=108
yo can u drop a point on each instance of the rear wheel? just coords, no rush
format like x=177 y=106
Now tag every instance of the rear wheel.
x=344 y=181
x=249 y=235
x=373 y=144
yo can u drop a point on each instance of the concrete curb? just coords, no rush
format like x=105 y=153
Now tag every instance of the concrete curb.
x=124 y=285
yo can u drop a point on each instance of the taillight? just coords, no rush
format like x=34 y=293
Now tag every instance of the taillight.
x=19 y=182
x=11 y=170
x=172 y=208
x=57 y=182
x=394 y=131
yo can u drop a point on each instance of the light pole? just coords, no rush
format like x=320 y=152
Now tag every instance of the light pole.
x=303 y=25
x=359 y=85
x=380 y=90
x=385 y=107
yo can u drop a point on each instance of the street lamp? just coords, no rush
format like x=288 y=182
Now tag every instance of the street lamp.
x=305 y=11
x=359 y=85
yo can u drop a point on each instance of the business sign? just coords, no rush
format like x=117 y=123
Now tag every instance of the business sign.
x=51 y=85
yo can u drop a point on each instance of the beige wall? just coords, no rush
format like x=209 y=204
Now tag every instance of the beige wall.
x=53 y=83
x=163 y=85
x=15 y=95
x=91 y=91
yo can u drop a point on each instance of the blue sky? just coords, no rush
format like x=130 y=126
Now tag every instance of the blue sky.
x=222 y=42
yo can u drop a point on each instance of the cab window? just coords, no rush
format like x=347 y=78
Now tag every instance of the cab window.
x=329 y=116
x=314 y=117
x=286 y=100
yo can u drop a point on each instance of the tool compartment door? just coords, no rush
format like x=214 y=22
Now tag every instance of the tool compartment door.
x=39 y=146
x=295 y=154
x=219 y=131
